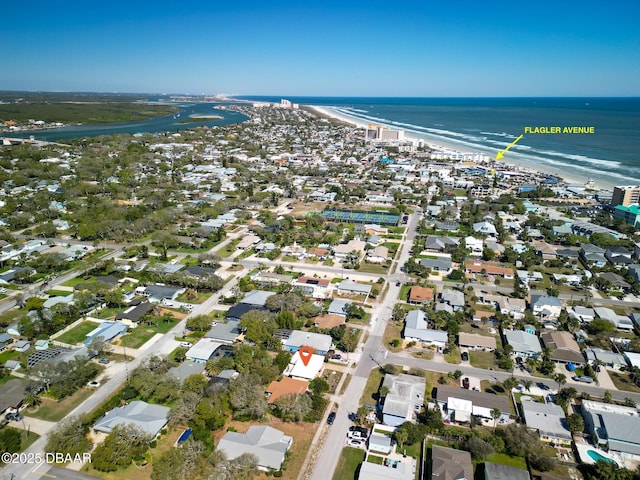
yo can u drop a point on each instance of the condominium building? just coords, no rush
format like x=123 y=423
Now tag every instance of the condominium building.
x=626 y=195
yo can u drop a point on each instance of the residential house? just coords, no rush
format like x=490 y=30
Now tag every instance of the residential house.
x=450 y=464
x=286 y=386
x=21 y=346
x=549 y=420
x=397 y=469
x=485 y=228
x=312 y=286
x=454 y=298
x=328 y=320
x=584 y=314
x=339 y=307
x=226 y=332
x=149 y=418
x=135 y=312
x=349 y=287
x=304 y=371
x=247 y=242
x=564 y=348
x=619 y=256
x=374 y=229
x=257 y=298
x=474 y=245
x=498 y=471
x=473 y=341
x=378 y=255
x=12 y=394
x=459 y=404
x=5 y=341
x=237 y=311
x=320 y=342
x=441 y=265
x=621 y=322
x=592 y=255
x=613 y=427
x=405 y=396
x=380 y=441
x=267 y=443
x=106 y=331
x=489 y=269
x=437 y=243
x=606 y=358
x=420 y=295
x=524 y=344
x=544 y=250
x=416 y=330
x=614 y=281
x=185 y=370
x=342 y=251
x=158 y=293
x=203 y=351
x=546 y=307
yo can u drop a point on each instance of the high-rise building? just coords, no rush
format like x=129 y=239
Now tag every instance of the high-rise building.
x=626 y=195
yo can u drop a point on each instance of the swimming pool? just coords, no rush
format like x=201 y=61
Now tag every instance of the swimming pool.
x=595 y=456
x=185 y=435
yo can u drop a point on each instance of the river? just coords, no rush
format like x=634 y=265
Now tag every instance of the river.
x=168 y=123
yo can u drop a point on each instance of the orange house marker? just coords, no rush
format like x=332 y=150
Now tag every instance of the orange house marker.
x=305 y=354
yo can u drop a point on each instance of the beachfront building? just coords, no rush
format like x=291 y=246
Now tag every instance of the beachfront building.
x=630 y=214
x=625 y=195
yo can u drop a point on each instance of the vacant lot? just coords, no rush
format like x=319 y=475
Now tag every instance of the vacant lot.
x=78 y=333
x=54 y=411
x=348 y=464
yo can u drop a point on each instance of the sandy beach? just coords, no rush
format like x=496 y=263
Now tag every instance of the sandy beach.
x=437 y=144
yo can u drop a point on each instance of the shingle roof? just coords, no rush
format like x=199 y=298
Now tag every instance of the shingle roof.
x=148 y=417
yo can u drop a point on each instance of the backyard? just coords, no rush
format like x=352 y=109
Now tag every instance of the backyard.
x=348 y=464
x=78 y=333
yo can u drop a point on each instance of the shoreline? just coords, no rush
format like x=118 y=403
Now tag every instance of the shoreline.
x=440 y=145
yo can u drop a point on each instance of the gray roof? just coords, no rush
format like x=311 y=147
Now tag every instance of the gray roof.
x=161 y=292
x=480 y=399
x=203 y=350
x=455 y=298
x=523 y=342
x=497 y=471
x=623 y=431
x=545 y=300
x=257 y=297
x=135 y=312
x=416 y=319
x=186 y=369
x=547 y=418
x=352 y=286
x=227 y=332
x=5 y=337
x=267 y=443
x=438 y=242
x=338 y=307
x=150 y=418
x=11 y=394
x=440 y=263
x=373 y=471
x=107 y=331
x=450 y=464
x=318 y=341
x=405 y=392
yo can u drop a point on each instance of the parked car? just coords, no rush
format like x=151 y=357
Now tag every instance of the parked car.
x=104 y=361
x=464 y=356
x=93 y=384
x=542 y=386
x=15 y=417
x=465 y=382
x=331 y=418
x=398 y=284
x=186 y=344
x=583 y=378
x=354 y=443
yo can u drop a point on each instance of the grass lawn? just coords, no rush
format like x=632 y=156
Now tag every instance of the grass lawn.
x=375 y=459
x=332 y=377
x=373 y=268
x=622 y=381
x=74 y=281
x=423 y=354
x=58 y=293
x=453 y=357
x=348 y=464
x=78 y=333
x=483 y=360
x=11 y=316
x=54 y=411
x=504 y=459
x=136 y=337
x=8 y=355
x=191 y=296
x=107 y=313
x=229 y=249
x=370 y=394
x=393 y=330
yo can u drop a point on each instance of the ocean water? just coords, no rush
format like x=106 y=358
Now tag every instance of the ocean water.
x=610 y=156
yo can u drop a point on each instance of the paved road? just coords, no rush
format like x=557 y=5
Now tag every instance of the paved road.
x=163 y=346
x=372 y=355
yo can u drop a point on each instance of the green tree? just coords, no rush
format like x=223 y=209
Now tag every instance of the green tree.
x=10 y=440
x=575 y=422
x=124 y=444
x=69 y=437
x=560 y=379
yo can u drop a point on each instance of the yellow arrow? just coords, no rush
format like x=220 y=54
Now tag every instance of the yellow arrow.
x=499 y=155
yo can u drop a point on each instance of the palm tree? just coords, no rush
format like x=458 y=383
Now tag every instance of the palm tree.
x=32 y=399
x=510 y=383
x=527 y=384
x=560 y=379
x=495 y=414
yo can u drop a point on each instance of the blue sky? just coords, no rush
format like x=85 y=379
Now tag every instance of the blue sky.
x=373 y=48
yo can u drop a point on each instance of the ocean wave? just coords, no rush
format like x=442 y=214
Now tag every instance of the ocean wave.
x=582 y=158
x=502 y=134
